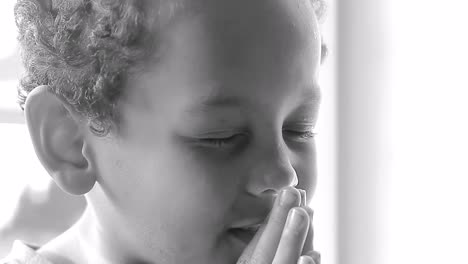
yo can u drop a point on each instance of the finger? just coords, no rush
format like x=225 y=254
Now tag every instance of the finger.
x=306 y=260
x=247 y=254
x=303 y=197
x=268 y=243
x=315 y=255
x=309 y=241
x=248 y=251
x=293 y=237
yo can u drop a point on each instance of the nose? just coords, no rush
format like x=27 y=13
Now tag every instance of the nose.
x=271 y=171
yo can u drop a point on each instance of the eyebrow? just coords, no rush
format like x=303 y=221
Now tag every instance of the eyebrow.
x=218 y=101
x=222 y=101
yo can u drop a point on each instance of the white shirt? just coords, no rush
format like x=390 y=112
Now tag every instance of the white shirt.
x=23 y=253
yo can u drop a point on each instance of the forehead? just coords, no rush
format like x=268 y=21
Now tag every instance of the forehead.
x=241 y=47
x=263 y=34
x=286 y=21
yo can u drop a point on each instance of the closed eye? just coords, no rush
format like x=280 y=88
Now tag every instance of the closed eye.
x=299 y=136
x=224 y=142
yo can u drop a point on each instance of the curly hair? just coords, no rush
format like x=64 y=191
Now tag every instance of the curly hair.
x=84 y=50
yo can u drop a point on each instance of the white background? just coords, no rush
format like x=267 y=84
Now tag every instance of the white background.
x=428 y=130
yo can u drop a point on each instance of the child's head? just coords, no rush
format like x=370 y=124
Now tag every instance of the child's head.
x=200 y=112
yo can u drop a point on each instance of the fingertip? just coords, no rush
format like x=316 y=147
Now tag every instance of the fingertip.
x=315 y=255
x=310 y=212
x=300 y=211
x=306 y=260
x=289 y=196
x=303 y=196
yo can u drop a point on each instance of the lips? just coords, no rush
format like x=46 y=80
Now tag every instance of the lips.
x=248 y=216
x=245 y=234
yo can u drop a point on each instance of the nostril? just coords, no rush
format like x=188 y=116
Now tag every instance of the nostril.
x=270 y=195
x=270 y=192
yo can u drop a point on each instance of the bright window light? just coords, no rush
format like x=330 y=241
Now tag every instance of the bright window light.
x=20 y=169
x=8 y=95
x=427 y=198
x=8 y=28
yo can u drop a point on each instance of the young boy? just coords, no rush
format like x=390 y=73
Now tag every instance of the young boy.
x=181 y=122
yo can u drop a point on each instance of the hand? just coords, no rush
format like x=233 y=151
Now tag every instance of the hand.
x=287 y=236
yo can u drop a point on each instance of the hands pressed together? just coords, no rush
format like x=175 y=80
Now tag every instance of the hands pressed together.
x=287 y=235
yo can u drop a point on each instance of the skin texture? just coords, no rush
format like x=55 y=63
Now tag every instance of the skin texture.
x=165 y=189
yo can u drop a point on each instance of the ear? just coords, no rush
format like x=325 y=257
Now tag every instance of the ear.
x=59 y=141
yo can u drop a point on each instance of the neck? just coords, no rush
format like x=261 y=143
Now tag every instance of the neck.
x=91 y=240
x=85 y=242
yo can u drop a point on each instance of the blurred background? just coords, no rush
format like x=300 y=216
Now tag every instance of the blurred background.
x=32 y=208
x=392 y=138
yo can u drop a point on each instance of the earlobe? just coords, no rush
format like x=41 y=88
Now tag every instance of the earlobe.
x=59 y=141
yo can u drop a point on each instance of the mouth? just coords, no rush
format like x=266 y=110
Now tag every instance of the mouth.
x=244 y=234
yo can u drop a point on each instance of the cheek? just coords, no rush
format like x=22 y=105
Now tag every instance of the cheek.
x=171 y=200
x=202 y=198
x=177 y=187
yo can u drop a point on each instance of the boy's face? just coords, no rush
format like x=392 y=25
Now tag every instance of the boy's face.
x=212 y=132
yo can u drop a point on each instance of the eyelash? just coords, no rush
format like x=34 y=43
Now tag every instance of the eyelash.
x=221 y=142
x=218 y=142
x=303 y=135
